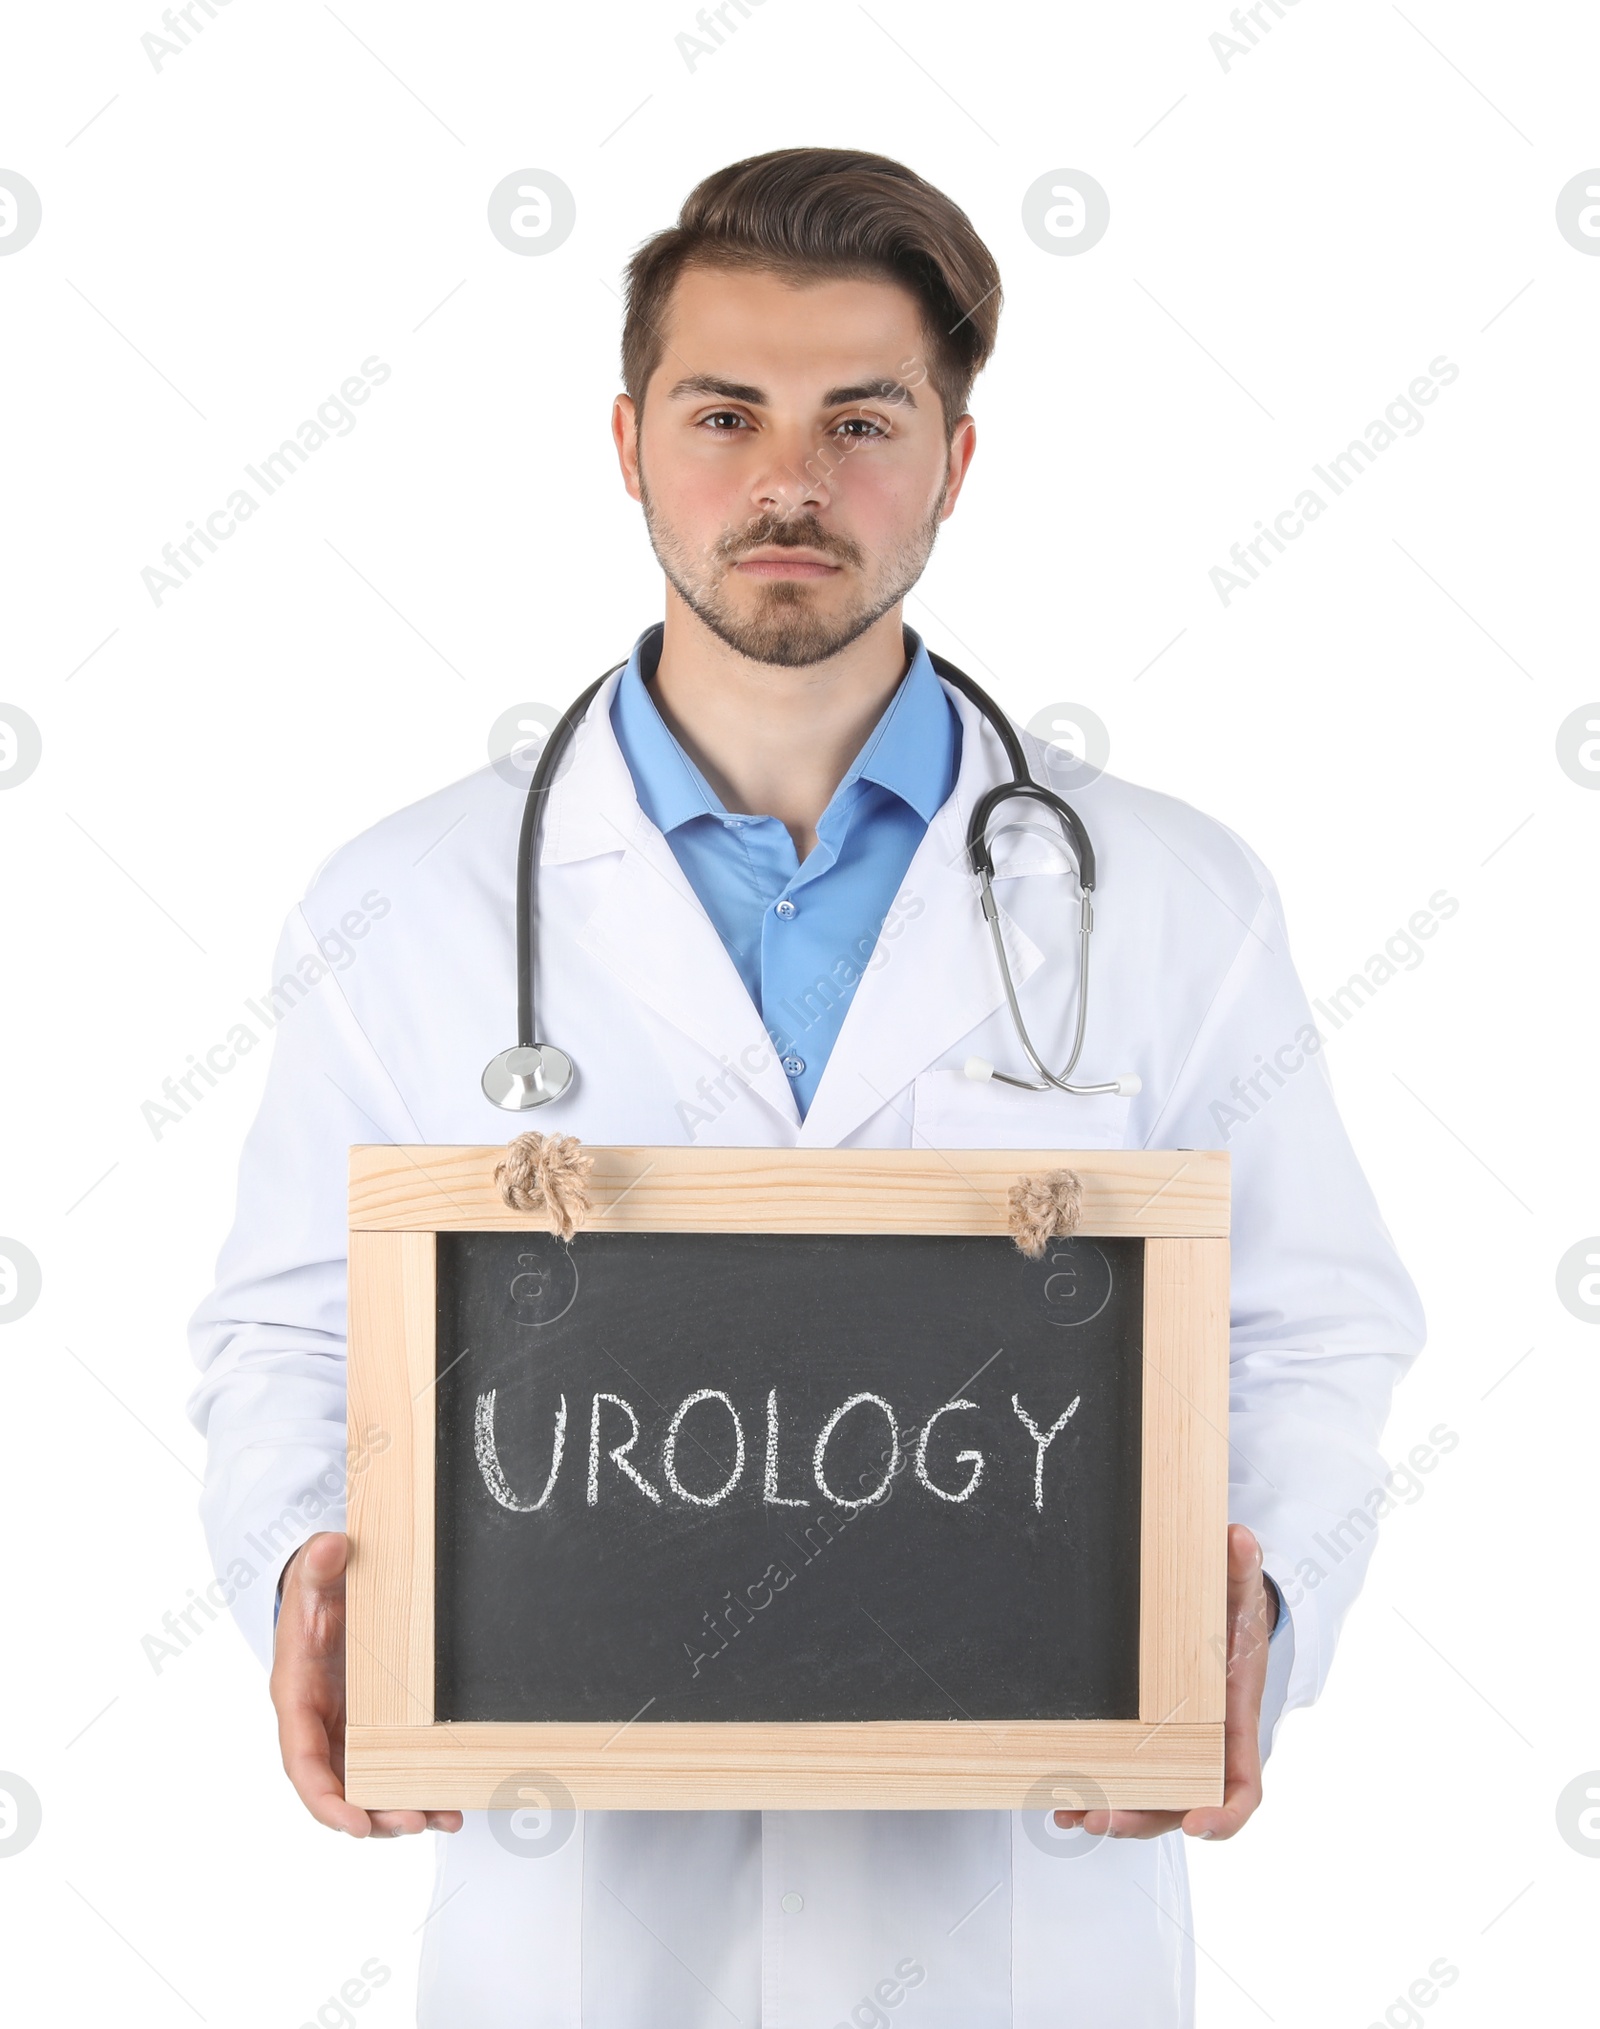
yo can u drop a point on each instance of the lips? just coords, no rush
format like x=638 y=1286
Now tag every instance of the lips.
x=794 y=567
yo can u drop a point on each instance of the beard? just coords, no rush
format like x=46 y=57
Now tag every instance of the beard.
x=785 y=628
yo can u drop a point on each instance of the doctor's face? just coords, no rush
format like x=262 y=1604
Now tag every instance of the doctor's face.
x=792 y=459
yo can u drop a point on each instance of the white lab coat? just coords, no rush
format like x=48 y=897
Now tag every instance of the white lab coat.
x=687 y=1919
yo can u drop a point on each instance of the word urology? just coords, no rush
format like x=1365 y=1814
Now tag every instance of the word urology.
x=618 y=1469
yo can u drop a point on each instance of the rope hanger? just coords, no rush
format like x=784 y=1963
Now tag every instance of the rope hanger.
x=550 y=1173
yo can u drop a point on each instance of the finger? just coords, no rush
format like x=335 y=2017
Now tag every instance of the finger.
x=308 y=1761
x=1115 y=1824
x=1241 y=1796
x=1247 y=1631
x=1221 y=1821
x=320 y=1790
x=397 y=1824
x=1241 y=1767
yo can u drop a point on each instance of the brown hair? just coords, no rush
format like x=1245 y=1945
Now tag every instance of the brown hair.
x=815 y=212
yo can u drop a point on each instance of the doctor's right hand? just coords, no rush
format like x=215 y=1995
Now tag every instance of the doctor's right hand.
x=308 y=1693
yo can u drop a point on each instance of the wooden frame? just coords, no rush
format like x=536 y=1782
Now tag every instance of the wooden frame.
x=1170 y=1757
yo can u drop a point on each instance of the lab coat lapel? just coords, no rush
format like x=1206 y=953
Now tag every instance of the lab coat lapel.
x=937 y=979
x=649 y=928
x=651 y=931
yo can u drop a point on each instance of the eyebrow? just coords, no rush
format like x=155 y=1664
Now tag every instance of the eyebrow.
x=741 y=391
x=709 y=384
x=870 y=391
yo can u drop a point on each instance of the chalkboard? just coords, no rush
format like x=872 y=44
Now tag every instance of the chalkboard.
x=789 y=1476
x=790 y=1483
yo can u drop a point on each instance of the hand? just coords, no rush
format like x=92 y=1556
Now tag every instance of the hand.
x=308 y=1692
x=1252 y=1615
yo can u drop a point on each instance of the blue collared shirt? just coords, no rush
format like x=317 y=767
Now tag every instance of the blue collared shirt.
x=800 y=934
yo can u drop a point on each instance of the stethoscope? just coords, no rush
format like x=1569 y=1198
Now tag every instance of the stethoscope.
x=532 y=1074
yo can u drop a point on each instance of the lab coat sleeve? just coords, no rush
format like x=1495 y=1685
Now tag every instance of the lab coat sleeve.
x=1325 y=1319
x=270 y=1338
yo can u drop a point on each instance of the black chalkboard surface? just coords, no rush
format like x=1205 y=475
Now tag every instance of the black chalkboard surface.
x=792 y=1477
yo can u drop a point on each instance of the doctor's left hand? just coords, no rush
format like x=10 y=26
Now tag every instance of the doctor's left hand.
x=1252 y=1613
x=308 y=1692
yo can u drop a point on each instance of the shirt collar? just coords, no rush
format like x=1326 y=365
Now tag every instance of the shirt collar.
x=912 y=750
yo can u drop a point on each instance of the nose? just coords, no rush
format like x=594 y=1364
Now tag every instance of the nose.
x=793 y=475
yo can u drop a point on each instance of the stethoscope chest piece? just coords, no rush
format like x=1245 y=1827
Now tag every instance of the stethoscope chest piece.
x=526 y=1077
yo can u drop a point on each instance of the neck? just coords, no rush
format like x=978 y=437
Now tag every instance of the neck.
x=774 y=742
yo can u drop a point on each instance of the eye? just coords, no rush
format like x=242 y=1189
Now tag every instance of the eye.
x=721 y=419
x=861 y=429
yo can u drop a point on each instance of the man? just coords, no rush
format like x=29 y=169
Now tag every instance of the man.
x=758 y=926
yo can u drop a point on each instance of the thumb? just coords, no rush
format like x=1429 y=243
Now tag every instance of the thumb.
x=1249 y=1602
x=1244 y=1559
x=322 y=1559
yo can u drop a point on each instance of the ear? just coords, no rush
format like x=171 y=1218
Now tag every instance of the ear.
x=963 y=442
x=625 y=435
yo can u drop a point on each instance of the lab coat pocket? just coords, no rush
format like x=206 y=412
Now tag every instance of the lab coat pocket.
x=951 y=1110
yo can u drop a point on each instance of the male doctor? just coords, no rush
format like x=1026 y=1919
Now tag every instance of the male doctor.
x=758 y=928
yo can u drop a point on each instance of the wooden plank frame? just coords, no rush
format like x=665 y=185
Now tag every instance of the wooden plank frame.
x=1171 y=1757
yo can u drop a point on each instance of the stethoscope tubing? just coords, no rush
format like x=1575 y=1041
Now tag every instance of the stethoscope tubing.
x=979 y=853
x=528 y=847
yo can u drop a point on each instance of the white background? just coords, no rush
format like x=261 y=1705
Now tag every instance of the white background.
x=1293 y=239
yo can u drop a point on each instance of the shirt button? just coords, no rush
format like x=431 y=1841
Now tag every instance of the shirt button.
x=785 y=908
x=794 y=1065
x=792 y=1904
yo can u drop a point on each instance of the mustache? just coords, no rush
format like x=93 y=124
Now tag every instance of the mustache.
x=788 y=532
